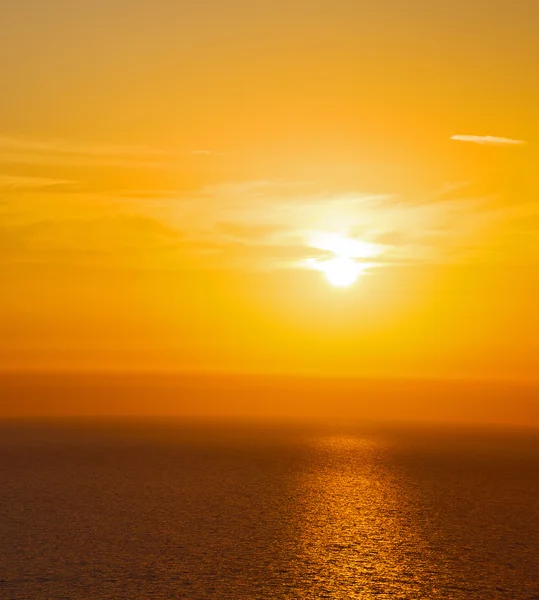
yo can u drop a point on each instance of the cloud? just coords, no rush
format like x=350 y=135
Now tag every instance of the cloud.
x=239 y=231
x=488 y=140
x=66 y=153
x=12 y=182
x=255 y=225
x=59 y=152
x=257 y=221
x=115 y=240
x=206 y=153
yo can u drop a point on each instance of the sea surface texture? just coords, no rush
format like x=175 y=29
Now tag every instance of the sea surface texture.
x=188 y=511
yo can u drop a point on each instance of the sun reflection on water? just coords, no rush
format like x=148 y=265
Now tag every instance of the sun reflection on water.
x=354 y=529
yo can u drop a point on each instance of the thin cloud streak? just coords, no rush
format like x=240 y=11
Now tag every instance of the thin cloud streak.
x=64 y=153
x=206 y=153
x=13 y=182
x=488 y=140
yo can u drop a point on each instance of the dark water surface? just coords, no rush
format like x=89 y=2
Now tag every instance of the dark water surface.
x=164 y=511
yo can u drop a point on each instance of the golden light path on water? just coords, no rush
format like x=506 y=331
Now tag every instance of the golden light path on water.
x=199 y=512
x=355 y=535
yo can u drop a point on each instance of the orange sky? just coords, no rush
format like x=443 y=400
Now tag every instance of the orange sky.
x=171 y=173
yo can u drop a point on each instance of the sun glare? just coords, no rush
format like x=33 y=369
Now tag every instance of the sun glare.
x=344 y=269
x=341 y=272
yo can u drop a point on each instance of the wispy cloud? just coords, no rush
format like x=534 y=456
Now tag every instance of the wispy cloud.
x=252 y=225
x=488 y=140
x=60 y=152
x=62 y=146
x=206 y=153
x=13 y=182
x=113 y=240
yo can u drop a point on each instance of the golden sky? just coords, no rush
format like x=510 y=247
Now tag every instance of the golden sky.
x=177 y=178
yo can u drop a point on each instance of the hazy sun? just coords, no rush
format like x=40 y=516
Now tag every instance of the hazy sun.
x=341 y=271
x=344 y=269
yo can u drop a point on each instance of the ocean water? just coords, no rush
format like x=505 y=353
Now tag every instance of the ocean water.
x=110 y=510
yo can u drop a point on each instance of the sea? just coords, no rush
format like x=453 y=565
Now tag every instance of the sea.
x=162 y=510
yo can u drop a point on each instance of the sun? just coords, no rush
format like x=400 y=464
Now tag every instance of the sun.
x=341 y=271
x=347 y=264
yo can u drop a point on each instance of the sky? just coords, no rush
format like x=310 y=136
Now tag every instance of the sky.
x=180 y=182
